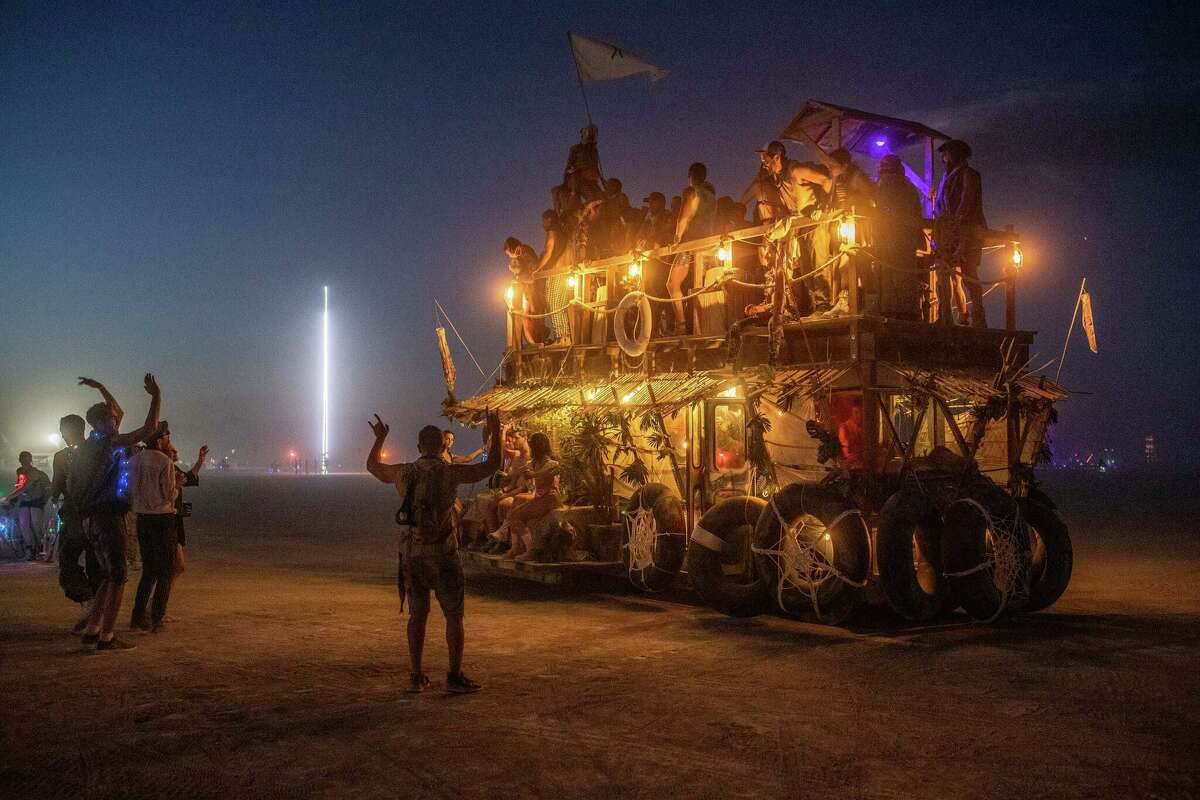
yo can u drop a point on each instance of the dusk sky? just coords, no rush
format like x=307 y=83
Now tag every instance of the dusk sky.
x=179 y=181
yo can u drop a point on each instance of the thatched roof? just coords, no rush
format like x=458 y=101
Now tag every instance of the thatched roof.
x=859 y=128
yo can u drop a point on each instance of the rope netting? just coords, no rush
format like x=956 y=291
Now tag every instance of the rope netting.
x=800 y=560
x=643 y=535
x=1005 y=550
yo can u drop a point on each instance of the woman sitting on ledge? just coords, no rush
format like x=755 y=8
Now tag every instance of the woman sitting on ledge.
x=543 y=471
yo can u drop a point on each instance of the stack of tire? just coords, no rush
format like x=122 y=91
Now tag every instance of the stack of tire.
x=933 y=554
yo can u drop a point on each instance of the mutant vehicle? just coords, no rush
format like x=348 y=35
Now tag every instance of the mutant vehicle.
x=805 y=464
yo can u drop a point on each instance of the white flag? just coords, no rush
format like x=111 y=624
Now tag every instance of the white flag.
x=600 y=61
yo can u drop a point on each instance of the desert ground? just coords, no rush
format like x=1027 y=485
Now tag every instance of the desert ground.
x=283 y=674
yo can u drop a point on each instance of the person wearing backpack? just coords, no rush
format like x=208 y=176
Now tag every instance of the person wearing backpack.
x=95 y=491
x=429 y=559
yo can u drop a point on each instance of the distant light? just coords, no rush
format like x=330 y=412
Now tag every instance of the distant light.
x=291 y=453
x=55 y=439
x=325 y=385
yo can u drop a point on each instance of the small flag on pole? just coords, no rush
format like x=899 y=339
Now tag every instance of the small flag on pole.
x=1089 y=324
x=601 y=61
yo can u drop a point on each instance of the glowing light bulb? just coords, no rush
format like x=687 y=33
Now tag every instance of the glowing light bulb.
x=573 y=281
x=509 y=294
x=725 y=254
x=1017 y=256
x=846 y=231
x=627 y=398
x=635 y=269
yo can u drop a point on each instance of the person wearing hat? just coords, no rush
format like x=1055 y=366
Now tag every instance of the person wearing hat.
x=798 y=188
x=958 y=227
x=898 y=235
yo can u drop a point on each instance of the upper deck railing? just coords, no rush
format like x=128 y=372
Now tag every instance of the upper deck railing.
x=595 y=287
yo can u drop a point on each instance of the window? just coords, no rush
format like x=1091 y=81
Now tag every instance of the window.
x=729 y=436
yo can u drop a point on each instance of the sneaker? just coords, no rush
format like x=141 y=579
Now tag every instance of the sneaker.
x=460 y=684
x=115 y=644
x=139 y=624
x=89 y=638
x=418 y=682
x=86 y=614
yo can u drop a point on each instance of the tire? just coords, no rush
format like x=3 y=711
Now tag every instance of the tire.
x=984 y=587
x=717 y=540
x=908 y=521
x=635 y=346
x=670 y=540
x=1051 y=556
x=838 y=536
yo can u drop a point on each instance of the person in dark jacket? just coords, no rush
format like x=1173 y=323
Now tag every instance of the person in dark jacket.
x=898 y=236
x=958 y=230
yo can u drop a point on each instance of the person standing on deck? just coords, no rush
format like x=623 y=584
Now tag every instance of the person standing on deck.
x=799 y=188
x=898 y=236
x=958 y=227
x=697 y=219
x=522 y=263
x=558 y=294
x=429 y=558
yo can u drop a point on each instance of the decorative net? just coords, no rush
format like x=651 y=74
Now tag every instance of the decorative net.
x=643 y=534
x=803 y=557
x=1007 y=548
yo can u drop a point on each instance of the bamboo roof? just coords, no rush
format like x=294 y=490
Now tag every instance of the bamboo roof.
x=664 y=393
x=980 y=384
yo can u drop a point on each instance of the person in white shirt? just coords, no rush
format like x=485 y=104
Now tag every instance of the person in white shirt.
x=153 y=490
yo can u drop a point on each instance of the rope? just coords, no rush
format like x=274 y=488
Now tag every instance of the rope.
x=799 y=563
x=456 y=333
x=642 y=539
x=1003 y=561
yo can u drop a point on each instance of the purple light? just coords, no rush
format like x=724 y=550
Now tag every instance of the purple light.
x=881 y=142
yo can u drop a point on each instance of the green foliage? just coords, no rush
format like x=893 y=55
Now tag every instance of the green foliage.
x=586 y=451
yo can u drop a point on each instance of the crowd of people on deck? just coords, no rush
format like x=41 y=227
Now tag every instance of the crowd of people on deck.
x=111 y=488
x=801 y=270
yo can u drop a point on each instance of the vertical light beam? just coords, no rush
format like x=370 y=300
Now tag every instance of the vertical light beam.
x=325 y=386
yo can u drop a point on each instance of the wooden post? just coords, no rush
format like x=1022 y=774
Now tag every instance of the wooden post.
x=1013 y=426
x=1010 y=288
x=837 y=132
x=929 y=162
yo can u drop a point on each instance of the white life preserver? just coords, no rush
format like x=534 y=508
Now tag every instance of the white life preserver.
x=637 y=345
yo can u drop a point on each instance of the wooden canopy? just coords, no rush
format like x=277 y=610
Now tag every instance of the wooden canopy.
x=832 y=126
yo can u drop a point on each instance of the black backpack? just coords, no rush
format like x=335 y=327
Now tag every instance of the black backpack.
x=92 y=483
x=425 y=508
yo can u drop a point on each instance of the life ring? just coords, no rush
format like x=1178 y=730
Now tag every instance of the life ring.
x=1052 y=557
x=720 y=538
x=655 y=537
x=637 y=345
x=985 y=551
x=908 y=553
x=813 y=547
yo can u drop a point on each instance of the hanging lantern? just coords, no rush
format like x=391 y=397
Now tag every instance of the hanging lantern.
x=1017 y=256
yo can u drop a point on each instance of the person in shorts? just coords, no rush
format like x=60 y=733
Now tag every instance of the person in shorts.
x=429 y=558
x=95 y=488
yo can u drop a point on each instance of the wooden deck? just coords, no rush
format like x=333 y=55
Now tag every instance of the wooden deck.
x=554 y=572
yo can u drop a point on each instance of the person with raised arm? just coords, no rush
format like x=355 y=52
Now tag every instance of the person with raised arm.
x=429 y=558
x=94 y=488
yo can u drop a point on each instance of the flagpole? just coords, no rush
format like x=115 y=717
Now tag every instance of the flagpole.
x=1071 y=327
x=579 y=77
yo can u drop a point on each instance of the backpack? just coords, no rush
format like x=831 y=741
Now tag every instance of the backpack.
x=93 y=482
x=425 y=509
